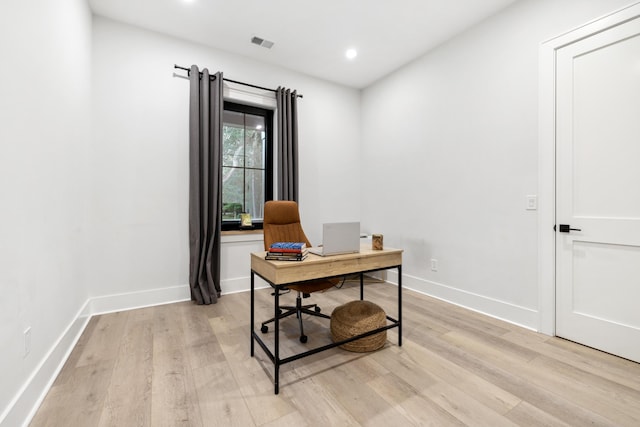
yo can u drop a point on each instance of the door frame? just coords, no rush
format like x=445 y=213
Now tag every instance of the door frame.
x=547 y=154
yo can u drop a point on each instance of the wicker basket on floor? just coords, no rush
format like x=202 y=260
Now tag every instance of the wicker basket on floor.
x=357 y=317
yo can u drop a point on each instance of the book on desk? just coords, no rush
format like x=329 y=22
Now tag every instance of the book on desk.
x=287 y=251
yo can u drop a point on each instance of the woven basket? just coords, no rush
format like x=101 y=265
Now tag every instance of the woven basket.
x=357 y=317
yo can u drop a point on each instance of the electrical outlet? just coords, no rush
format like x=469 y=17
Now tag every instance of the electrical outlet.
x=434 y=264
x=27 y=341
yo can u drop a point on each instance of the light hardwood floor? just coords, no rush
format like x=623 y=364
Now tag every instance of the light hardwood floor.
x=188 y=365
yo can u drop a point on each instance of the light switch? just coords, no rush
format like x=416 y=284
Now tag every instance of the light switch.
x=532 y=202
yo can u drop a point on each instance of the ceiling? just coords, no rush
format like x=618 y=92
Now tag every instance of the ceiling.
x=311 y=37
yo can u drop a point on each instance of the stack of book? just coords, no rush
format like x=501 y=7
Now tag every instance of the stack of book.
x=287 y=251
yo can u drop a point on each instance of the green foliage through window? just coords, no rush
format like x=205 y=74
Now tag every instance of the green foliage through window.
x=246 y=162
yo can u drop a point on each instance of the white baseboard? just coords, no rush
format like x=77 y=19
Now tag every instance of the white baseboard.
x=241 y=284
x=139 y=299
x=27 y=401
x=24 y=406
x=517 y=315
x=508 y=312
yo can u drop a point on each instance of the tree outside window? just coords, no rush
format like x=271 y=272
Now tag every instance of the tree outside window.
x=246 y=163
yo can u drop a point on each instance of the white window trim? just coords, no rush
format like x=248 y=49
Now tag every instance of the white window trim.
x=261 y=98
x=250 y=96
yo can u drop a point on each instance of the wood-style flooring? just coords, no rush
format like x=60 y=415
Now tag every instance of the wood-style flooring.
x=188 y=365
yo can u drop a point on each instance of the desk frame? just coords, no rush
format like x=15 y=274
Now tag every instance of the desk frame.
x=275 y=355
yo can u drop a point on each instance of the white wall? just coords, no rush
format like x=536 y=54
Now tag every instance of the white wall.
x=44 y=141
x=450 y=152
x=441 y=164
x=139 y=167
x=93 y=164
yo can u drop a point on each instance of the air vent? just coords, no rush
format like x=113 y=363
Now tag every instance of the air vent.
x=262 y=42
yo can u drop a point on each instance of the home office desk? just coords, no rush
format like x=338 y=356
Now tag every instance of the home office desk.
x=281 y=273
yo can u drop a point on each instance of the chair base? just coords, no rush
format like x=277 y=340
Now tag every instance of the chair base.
x=298 y=309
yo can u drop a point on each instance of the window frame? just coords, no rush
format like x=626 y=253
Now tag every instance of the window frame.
x=238 y=107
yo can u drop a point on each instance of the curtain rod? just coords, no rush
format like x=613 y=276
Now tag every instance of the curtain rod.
x=188 y=70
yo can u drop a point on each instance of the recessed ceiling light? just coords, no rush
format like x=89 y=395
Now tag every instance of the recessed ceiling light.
x=351 y=53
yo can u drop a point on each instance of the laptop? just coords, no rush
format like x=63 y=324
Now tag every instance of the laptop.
x=338 y=238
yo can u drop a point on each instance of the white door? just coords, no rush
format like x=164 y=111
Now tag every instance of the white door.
x=598 y=191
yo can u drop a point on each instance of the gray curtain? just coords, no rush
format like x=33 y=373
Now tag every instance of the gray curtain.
x=205 y=184
x=287 y=111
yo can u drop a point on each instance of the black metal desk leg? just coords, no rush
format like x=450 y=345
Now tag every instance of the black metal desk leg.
x=400 y=305
x=361 y=286
x=276 y=362
x=252 y=308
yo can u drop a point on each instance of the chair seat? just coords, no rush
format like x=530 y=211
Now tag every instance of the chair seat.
x=313 y=286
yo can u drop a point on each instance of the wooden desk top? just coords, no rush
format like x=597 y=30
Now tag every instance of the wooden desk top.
x=316 y=267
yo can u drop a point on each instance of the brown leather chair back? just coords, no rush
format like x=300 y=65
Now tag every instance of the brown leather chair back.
x=282 y=223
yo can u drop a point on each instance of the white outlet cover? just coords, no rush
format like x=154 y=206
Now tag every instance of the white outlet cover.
x=27 y=341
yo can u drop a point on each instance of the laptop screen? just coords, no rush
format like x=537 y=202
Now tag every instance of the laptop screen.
x=340 y=238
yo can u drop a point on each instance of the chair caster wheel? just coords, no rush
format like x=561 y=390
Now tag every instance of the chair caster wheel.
x=264 y=329
x=317 y=309
x=303 y=339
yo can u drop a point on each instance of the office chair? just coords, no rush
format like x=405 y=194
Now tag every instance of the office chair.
x=282 y=224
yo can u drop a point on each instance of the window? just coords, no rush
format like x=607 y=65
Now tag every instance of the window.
x=247 y=165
